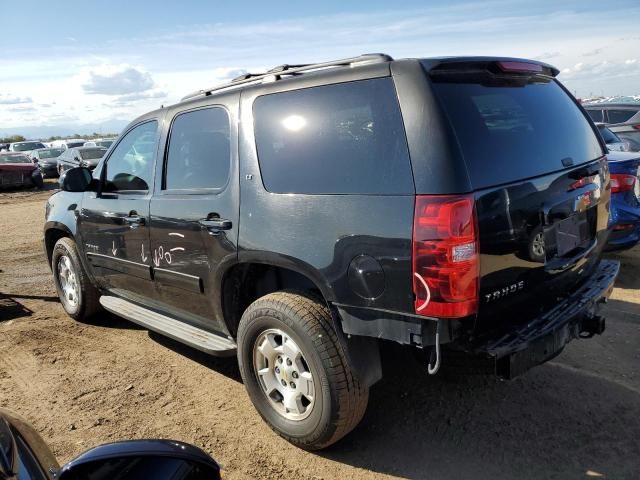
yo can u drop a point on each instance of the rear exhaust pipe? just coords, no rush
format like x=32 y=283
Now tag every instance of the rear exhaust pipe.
x=592 y=325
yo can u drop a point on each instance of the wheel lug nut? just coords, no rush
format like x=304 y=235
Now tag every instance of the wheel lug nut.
x=294 y=374
x=279 y=359
x=284 y=383
x=288 y=362
x=292 y=385
x=277 y=370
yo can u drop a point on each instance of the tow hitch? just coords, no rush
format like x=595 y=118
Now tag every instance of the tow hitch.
x=592 y=325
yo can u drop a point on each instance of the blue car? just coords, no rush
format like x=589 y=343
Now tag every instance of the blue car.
x=624 y=219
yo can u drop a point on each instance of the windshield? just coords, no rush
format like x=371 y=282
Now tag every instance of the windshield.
x=92 y=153
x=14 y=158
x=75 y=144
x=104 y=143
x=51 y=153
x=26 y=146
x=511 y=130
x=608 y=135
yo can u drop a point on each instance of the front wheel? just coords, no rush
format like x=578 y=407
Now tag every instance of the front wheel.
x=79 y=297
x=296 y=370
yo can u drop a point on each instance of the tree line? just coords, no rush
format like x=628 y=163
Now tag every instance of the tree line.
x=21 y=138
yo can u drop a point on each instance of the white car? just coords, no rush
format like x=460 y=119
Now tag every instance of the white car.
x=25 y=147
x=69 y=143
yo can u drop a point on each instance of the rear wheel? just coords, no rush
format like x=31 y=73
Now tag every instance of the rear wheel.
x=536 y=247
x=296 y=370
x=79 y=297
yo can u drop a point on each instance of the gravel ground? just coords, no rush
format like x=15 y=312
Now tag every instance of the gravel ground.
x=82 y=384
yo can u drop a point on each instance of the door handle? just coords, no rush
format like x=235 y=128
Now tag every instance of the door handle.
x=216 y=223
x=134 y=220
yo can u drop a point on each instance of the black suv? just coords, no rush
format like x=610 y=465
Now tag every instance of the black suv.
x=298 y=217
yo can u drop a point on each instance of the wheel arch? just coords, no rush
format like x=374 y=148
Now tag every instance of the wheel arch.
x=54 y=231
x=245 y=282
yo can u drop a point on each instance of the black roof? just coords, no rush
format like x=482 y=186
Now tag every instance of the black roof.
x=295 y=72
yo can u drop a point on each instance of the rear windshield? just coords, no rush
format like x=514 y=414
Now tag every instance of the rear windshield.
x=51 y=153
x=516 y=130
x=26 y=146
x=92 y=153
x=14 y=158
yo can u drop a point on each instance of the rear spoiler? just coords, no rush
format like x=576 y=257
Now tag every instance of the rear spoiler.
x=498 y=64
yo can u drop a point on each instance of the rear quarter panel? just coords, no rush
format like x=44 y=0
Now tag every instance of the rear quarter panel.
x=320 y=235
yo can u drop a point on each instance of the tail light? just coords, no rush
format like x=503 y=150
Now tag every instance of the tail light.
x=623 y=226
x=519 y=67
x=622 y=183
x=446 y=266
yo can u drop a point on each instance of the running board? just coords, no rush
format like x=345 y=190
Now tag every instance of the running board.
x=182 y=332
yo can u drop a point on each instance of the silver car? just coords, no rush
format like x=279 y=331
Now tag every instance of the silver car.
x=623 y=119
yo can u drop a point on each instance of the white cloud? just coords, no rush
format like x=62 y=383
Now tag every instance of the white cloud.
x=13 y=99
x=601 y=70
x=117 y=80
x=124 y=77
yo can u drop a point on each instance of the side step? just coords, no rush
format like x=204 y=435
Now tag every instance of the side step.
x=182 y=332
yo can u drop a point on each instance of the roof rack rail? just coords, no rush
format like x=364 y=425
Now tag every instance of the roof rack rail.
x=276 y=72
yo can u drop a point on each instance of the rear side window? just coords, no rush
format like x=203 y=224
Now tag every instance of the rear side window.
x=346 y=138
x=512 y=131
x=620 y=116
x=596 y=115
x=199 y=153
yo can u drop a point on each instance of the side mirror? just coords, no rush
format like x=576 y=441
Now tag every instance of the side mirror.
x=135 y=459
x=24 y=455
x=77 y=179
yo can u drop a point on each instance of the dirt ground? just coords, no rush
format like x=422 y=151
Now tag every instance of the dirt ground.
x=82 y=384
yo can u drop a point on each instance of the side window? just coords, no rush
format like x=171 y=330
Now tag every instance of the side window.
x=199 y=151
x=620 y=116
x=130 y=166
x=333 y=139
x=596 y=115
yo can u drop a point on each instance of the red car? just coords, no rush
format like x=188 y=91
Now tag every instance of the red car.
x=17 y=170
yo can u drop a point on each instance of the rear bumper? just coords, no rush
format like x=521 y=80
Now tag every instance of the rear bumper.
x=623 y=214
x=49 y=170
x=513 y=352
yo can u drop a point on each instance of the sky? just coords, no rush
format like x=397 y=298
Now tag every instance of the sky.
x=96 y=65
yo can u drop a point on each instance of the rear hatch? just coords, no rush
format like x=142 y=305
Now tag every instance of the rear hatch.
x=540 y=182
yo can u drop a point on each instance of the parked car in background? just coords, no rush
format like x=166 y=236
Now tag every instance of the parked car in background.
x=614 y=143
x=25 y=147
x=624 y=219
x=24 y=455
x=100 y=142
x=623 y=119
x=80 y=157
x=47 y=160
x=297 y=218
x=17 y=170
x=68 y=143
x=4 y=147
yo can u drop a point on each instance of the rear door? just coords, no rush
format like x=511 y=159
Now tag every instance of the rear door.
x=114 y=222
x=194 y=212
x=541 y=183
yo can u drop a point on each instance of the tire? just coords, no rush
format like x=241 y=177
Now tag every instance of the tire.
x=79 y=297
x=535 y=246
x=38 y=181
x=339 y=399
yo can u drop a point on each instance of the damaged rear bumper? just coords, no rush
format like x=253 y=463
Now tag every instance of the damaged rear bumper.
x=512 y=352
